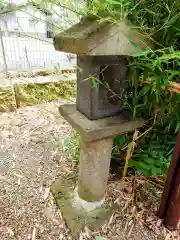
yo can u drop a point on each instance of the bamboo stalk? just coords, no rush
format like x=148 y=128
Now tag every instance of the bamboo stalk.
x=129 y=153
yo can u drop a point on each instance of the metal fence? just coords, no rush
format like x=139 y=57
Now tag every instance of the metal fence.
x=27 y=54
x=27 y=51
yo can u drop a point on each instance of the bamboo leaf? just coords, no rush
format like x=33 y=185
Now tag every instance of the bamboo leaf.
x=142 y=53
x=144 y=91
x=134 y=27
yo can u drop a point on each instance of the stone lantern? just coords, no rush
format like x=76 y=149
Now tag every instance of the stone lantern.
x=102 y=50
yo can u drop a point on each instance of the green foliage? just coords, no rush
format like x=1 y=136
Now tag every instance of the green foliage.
x=160 y=20
x=3 y=4
x=151 y=157
x=152 y=98
x=73 y=10
x=147 y=95
x=72 y=146
x=150 y=73
x=154 y=158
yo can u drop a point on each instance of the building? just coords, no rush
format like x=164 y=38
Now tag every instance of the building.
x=29 y=21
x=27 y=35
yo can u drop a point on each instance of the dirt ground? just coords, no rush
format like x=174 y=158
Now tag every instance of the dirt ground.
x=32 y=155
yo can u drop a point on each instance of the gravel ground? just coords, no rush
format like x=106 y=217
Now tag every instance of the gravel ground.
x=32 y=156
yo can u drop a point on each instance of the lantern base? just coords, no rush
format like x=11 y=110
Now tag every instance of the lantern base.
x=75 y=217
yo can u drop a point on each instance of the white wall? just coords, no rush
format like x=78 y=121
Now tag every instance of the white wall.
x=29 y=17
x=8 y=23
x=22 y=53
x=26 y=21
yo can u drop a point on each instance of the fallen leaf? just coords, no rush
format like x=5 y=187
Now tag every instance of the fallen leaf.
x=33 y=237
x=159 y=222
x=125 y=206
x=19 y=181
x=88 y=232
x=130 y=223
x=38 y=171
x=111 y=219
x=130 y=231
x=46 y=193
x=61 y=236
x=168 y=236
x=17 y=175
x=10 y=231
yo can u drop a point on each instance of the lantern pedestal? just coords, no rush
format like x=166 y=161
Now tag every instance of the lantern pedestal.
x=76 y=217
x=84 y=204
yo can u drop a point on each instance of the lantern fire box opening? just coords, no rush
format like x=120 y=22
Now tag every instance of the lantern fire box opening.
x=108 y=74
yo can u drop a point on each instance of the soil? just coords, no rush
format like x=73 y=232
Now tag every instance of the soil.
x=32 y=155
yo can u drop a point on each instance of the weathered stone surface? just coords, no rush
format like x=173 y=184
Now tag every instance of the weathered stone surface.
x=77 y=219
x=92 y=37
x=7 y=98
x=109 y=75
x=94 y=169
x=99 y=129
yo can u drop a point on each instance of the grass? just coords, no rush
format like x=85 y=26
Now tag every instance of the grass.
x=72 y=146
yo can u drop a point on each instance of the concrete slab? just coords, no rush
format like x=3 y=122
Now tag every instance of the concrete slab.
x=91 y=130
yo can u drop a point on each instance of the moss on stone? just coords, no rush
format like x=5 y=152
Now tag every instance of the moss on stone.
x=19 y=94
x=35 y=93
x=7 y=98
x=62 y=190
x=85 y=193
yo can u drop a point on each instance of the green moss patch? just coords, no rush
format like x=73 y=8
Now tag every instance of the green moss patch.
x=35 y=93
x=7 y=99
